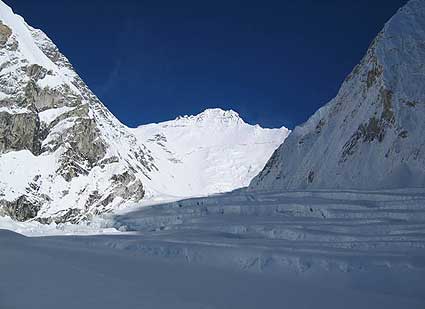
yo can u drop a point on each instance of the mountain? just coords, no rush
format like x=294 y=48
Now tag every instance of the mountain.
x=215 y=151
x=64 y=157
x=371 y=135
x=63 y=154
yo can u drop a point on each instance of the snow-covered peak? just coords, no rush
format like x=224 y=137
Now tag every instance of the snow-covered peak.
x=211 y=116
x=21 y=33
x=27 y=51
x=215 y=151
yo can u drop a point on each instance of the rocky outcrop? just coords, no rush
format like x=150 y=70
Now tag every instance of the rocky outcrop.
x=5 y=33
x=22 y=209
x=19 y=131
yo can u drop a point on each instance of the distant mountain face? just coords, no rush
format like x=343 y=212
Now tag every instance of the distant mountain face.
x=64 y=157
x=215 y=151
x=371 y=135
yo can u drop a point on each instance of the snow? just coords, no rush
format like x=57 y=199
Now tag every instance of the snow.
x=22 y=34
x=244 y=249
x=301 y=249
x=29 y=52
x=97 y=226
x=18 y=169
x=213 y=152
x=303 y=230
x=14 y=110
x=49 y=115
x=370 y=136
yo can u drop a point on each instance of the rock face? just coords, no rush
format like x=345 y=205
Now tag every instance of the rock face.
x=63 y=155
x=19 y=131
x=371 y=135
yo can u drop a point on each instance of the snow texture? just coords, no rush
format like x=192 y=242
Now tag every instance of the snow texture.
x=306 y=249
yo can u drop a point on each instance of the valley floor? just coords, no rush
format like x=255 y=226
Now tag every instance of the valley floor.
x=321 y=249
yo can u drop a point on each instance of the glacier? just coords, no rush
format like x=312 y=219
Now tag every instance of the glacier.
x=303 y=249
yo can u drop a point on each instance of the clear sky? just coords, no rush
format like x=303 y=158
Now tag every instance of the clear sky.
x=274 y=62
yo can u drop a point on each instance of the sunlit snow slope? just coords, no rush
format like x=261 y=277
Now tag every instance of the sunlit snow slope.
x=215 y=151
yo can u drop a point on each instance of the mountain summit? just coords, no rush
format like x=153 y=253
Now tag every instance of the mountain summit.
x=371 y=135
x=214 y=151
x=210 y=116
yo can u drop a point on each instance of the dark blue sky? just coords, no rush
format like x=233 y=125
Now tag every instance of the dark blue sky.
x=275 y=62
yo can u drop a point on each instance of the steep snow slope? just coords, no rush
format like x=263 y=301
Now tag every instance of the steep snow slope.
x=63 y=155
x=215 y=151
x=371 y=135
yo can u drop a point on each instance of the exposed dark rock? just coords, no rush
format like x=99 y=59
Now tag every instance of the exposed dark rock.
x=22 y=209
x=403 y=134
x=387 y=113
x=72 y=215
x=311 y=177
x=43 y=99
x=36 y=72
x=411 y=103
x=320 y=125
x=19 y=132
x=373 y=75
x=375 y=129
x=5 y=33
